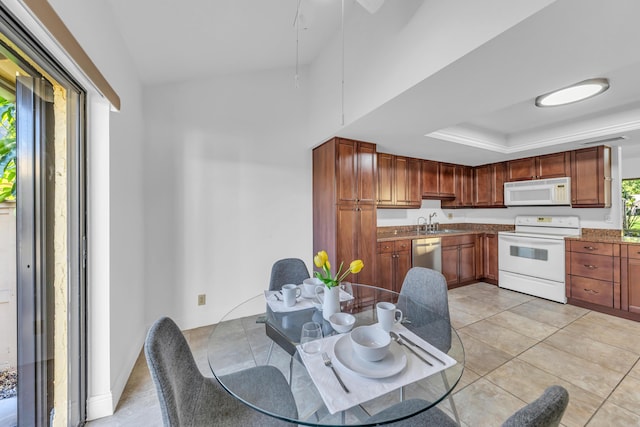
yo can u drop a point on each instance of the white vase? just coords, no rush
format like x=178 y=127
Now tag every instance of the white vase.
x=330 y=300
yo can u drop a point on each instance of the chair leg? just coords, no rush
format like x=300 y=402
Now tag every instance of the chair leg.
x=269 y=355
x=290 y=371
x=453 y=404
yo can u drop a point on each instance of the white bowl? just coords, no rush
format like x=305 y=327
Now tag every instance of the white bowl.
x=370 y=343
x=342 y=322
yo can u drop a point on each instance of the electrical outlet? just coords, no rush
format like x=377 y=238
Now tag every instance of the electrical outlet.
x=202 y=299
x=450 y=215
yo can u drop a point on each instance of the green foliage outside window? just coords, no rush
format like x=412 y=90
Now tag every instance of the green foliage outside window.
x=7 y=150
x=631 y=206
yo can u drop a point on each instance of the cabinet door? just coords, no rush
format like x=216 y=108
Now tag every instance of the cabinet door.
x=414 y=182
x=591 y=177
x=430 y=179
x=521 y=169
x=467 y=263
x=366 y=170
x=346 y=170
x=499 y=174
x=450 y=264
x=467 y=186
x=490 y=256
x=447 y=181
x=401 y=175
x=346 y=236
x=385 y=179
x=483 y=187
x=634 y=285
x=386 y=270
x=403 y=264
x=554 y=165
x=366 y=245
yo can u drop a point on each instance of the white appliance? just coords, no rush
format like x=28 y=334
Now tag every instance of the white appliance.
x=539 y=192
x=531 y=259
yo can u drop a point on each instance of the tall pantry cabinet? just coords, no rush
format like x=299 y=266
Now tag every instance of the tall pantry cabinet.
x=344 y=205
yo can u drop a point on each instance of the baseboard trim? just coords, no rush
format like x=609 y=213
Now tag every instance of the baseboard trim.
x=99 y=406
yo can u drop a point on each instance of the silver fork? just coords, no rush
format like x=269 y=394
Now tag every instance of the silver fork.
x=327 y=362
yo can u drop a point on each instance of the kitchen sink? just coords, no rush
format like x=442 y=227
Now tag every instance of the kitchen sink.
x=443 y=231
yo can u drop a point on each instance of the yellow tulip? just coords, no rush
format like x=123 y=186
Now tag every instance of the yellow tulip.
x=356 y=266
x=320 y=259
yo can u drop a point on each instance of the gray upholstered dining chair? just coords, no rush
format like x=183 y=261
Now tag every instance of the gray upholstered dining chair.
x=425 y=305
x=189 y=399
x=546 y=411
x=287 y=270
x=283 y=271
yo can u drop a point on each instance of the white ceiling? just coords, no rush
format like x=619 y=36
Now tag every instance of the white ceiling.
x=477 y=110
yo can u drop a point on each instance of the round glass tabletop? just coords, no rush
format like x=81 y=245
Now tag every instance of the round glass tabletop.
x=425 y=360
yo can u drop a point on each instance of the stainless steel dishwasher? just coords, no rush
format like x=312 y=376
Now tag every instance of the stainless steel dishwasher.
x=427 y=253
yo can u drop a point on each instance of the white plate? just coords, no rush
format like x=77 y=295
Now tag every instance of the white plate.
x=393 y=363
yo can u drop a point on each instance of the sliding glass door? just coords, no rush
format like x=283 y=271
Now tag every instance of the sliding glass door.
x=50 y=234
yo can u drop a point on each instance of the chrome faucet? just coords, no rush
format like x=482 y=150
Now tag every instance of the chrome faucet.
x=424 y=221
x=432 y=226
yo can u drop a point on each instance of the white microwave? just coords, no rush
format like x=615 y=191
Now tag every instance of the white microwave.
x=539 y=192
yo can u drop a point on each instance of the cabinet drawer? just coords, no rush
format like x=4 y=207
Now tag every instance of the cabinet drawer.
x=403 y=245
x=633 y=251
x=594 y=291
x=385 y=247
x=594 y=266
x=458 y=240
x=592 y=247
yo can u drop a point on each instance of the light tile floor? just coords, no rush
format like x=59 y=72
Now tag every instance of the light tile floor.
x=515 y=346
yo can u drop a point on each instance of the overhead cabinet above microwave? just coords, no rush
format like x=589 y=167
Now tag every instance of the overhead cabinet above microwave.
x=539 y=192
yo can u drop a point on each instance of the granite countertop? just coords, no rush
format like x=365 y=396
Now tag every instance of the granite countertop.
x=404 y=232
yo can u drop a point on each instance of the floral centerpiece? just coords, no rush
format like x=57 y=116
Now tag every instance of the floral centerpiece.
x=321 y=260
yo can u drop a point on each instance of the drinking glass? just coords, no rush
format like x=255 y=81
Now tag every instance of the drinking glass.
x=310 y=337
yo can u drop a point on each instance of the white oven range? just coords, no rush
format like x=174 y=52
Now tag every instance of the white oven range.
x=531 y=259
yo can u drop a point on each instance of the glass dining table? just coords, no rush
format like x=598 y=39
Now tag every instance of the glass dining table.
x=426 y=363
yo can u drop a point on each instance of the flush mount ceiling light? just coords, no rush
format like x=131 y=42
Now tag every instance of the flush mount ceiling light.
x=574 y=93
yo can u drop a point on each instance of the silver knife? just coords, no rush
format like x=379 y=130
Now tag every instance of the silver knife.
x=399 y=340
x=426 y=351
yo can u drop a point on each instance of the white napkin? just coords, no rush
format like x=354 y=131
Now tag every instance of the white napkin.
x=302 y=303
x=364 y=389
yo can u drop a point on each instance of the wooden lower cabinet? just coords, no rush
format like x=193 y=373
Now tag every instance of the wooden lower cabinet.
x=604 y=277
x=631 y=278
x=459 y=260
x=394 y=261
x=490 y=258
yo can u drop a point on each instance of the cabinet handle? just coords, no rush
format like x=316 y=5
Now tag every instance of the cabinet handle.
x=591 y=291
x=590 y=248
x=592 y=267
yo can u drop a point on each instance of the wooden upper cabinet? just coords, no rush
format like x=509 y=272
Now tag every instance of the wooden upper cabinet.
x=555 y=165
x=399 y=182
x=430 y=179
x=447 y=180
x=355 y=172
x=540 y=167
x=488 y=183
x=591 y=177
x=463 y=188
x=408 y=181
x=385 y=179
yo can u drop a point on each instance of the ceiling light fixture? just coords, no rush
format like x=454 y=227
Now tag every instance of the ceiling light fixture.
x=574 y=93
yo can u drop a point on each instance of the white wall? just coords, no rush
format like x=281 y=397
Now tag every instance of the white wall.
x=227 y=190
